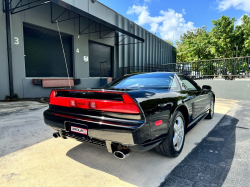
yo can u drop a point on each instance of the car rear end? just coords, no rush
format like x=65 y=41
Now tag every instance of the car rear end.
x=111 y=119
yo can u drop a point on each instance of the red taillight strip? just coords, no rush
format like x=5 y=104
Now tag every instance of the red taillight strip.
x=127 y=106
x=93 y=121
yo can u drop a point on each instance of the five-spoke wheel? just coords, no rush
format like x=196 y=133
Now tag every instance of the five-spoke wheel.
x=178 y=133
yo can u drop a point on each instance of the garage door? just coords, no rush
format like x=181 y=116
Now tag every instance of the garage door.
x=100 y=60
x=43 y=52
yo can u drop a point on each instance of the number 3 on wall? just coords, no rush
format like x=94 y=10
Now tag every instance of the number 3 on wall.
x=16 y=40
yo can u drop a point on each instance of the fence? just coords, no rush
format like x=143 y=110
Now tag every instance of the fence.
x=227 y=68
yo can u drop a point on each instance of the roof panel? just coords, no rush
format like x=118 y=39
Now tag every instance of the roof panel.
x=102 y=18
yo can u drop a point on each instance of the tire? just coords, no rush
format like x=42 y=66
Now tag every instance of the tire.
x=211 y=110
x=167 y=147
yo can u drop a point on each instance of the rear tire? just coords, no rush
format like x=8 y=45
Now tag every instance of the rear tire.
x=211 y=110
x=174 y=142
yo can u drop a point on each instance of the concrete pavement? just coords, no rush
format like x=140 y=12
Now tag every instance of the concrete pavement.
x=19 y=106
x=223 y=156
x=58 y=162
x=22 y=129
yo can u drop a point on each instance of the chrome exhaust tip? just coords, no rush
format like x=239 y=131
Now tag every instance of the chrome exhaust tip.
x=120 y=154
x=56 y=134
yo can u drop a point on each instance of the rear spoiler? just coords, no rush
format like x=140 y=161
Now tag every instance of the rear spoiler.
x=109 y=101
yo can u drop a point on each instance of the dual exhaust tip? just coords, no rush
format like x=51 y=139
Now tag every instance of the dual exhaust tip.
x=122 y=153
x=59 y=134
x=56 y=134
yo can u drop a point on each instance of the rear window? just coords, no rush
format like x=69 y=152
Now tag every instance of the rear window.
x=151 y=80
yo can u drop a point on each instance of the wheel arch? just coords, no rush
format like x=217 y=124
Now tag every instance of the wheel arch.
x=213 y=95
x=183 y=109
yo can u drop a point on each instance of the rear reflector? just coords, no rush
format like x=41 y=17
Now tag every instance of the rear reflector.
x=157 y=123
x=92 y=105
x=72 y=103
x=126 y=105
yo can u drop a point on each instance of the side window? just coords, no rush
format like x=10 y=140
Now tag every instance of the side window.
x=187 y=84
x=174 y=85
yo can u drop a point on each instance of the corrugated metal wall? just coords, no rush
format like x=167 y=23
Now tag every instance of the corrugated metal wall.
x=153 y=51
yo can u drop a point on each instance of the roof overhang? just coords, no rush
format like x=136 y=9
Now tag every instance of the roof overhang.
x=22 y=6
x=94 y=18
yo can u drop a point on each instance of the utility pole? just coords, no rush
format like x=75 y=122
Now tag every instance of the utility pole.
x=9 y=50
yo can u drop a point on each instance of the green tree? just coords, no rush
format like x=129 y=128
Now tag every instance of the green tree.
x=168 y=41
x=225 y=40
x=223 y=37
x=195 y=45
x=242 y=36
x=181 y=52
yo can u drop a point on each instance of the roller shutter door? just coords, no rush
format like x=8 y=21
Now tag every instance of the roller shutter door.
x=97 y=55
x=43 y=52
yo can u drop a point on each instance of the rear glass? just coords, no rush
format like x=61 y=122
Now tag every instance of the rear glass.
x=150 y=80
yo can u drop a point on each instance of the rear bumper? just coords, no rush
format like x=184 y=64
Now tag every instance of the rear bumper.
x=125 y=138
x=127 y=135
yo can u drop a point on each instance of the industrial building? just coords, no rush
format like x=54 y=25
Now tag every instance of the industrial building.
x=97 y=42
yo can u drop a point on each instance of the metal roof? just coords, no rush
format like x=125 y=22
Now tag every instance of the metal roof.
x=22 y=5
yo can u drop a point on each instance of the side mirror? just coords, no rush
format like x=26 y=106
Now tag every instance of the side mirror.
x=206 y=88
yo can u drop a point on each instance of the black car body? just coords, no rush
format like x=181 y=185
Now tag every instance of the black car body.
x=129 y=114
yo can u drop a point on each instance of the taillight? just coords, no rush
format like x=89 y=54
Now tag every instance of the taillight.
x=128 y=105
x=52 y=95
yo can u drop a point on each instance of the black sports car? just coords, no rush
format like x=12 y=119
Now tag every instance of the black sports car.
x=137 y=112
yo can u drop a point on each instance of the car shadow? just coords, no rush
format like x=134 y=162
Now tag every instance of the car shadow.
x=137 y=169
x=143 y=168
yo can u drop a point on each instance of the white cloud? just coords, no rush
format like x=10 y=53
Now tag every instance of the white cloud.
x=149 y=1
x=154 y=27
x=170 y=24
x=237 y=4
x=183 y=11
x=239 y=21
x=136 y=9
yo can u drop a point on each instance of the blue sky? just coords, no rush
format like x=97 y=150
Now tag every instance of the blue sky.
x=170 y=19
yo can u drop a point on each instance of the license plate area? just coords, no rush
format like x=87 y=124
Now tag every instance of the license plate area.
x=78 y=129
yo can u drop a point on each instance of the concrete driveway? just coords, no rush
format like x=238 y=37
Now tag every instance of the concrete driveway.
x=222 y=158
x=30 y=157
